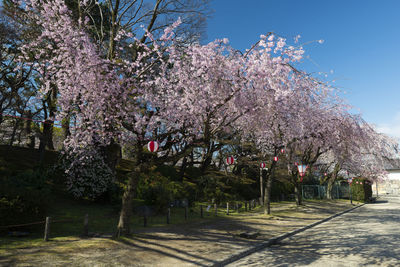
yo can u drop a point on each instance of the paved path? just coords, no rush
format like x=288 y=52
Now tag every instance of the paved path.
x=367 y=236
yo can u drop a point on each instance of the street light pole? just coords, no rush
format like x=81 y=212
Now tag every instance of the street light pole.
x=349 y=180
x=351 y=196
x=261 y=187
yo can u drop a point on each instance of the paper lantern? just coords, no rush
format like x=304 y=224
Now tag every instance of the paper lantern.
x=302 y=170
x=230 y=160
x=152 y=146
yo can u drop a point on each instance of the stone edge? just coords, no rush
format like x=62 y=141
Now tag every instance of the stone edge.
x=276 y=239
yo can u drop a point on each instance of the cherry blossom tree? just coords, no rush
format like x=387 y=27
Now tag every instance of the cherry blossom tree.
x=182 y=96
x=291 y=112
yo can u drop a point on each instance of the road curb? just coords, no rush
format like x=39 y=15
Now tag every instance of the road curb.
x=276 y=239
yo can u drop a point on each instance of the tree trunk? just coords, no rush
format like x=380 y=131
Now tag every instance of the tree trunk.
x=261 y=187
x=12 y=138
x=207 y=158
x=65 y=128
x=113 y=30
x=48 y=134
x=182 y=169
x=113 y=155
x=123 y=228
x=49 y=123
x=28 y=130
x=331 y=181
x=298 y=196
x=329 y=190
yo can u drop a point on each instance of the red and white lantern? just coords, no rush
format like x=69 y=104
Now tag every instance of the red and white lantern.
x=275 y=158
x=302 y=170
x=263 y=165
x=152 y=146
x=230 y=160
x=282 y=150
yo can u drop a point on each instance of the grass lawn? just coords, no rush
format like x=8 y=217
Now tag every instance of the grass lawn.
x=195 y=241
x=67 y=217
x=67 y=214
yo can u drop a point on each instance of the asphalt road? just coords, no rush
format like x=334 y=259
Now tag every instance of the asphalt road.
x=367 y=236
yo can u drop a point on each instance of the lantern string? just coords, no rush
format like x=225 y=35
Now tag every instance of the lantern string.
x=30 y=119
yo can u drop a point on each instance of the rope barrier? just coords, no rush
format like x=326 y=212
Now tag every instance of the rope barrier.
x=26 y=224
x=35 y=223
x=52 y=221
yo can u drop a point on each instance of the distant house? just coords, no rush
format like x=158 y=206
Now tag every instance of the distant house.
x=391 y=186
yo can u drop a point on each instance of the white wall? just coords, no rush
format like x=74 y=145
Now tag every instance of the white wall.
x=394 y=175
x=391 y=185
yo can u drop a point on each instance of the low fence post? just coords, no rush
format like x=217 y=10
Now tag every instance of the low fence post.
x=47 y=229
x=86 y=225
x=245 y=205
x=215 y=209
x=227 y=208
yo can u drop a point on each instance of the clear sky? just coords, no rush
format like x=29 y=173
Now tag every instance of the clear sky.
x=361 y=45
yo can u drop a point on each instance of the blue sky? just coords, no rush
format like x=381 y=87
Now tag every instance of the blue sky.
x=361 y=45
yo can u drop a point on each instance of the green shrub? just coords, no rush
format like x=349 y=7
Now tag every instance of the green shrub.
x=245 y=189
x=153 y=189
x=87 y=174
x=158 y=191
x=168 y=171
x=23 y=198
x=361 y=189
x=217 y=186
x=113 y=195
x=281 y=188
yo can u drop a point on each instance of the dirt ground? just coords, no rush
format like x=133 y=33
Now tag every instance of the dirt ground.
x=190 y=244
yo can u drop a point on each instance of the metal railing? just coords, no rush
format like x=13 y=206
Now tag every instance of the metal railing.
x=320 y=191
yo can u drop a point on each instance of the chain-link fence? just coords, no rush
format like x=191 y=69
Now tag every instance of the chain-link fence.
x=319 y=191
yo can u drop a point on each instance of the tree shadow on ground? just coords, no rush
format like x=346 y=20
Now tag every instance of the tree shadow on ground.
x=368 y=236
x=195 y=243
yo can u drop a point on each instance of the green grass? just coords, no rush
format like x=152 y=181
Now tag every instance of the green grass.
x=68 y=214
